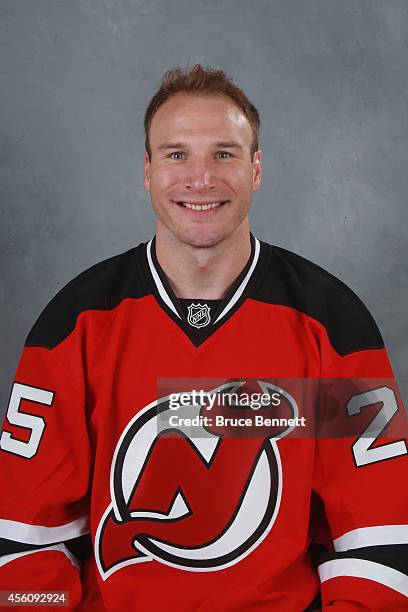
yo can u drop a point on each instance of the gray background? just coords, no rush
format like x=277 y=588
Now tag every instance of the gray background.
x=329 y=78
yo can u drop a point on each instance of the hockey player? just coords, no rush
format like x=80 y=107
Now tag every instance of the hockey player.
x=107 y=505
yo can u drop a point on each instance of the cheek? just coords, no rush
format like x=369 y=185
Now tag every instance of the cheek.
x=241 y=179
x=163 y=179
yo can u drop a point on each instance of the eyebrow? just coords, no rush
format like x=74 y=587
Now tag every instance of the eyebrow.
x=182 y=145
x=228 y=145
x=171 y=145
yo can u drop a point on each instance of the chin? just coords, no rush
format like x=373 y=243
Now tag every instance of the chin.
x=201 y=240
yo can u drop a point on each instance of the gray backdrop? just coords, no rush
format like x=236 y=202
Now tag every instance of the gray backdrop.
x=329 y=78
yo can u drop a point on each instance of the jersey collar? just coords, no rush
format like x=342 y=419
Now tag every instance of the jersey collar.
x=226 y=307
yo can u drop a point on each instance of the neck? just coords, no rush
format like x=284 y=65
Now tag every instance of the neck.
x=203 y=273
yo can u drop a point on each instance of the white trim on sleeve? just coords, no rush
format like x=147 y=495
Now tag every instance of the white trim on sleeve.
x=372 y=536
x=39 y=534
x=361 y=568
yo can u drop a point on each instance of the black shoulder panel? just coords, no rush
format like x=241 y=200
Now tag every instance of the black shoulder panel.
x=291 y=280
x=101 y=287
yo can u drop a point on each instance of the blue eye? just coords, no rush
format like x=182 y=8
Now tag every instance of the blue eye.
x=224 y=153
x=176 y=153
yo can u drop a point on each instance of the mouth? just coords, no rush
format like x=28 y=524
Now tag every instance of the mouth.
x=202 y=206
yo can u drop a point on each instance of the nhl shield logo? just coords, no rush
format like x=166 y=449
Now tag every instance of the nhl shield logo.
x=198 y=315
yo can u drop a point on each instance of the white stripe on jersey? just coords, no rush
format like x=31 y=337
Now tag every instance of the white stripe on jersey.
x=361 y=568
x=39 y=534
x=238 y=292
x=243 y=284
x=58 y=547
x=372 y=536
x=160 y=288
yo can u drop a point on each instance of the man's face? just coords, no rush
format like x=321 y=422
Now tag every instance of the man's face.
x=200 y=175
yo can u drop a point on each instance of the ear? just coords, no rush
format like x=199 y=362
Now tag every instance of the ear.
x=146 y=171
x=256 y=170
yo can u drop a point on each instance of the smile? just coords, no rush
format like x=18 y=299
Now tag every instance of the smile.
x=204 y=206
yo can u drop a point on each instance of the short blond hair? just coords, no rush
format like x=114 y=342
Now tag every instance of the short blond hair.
x=202 y=81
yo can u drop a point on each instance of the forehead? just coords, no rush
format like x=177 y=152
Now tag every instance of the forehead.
x=192 y=115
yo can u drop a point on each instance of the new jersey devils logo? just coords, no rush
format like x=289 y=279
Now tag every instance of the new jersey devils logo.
x=198 y=503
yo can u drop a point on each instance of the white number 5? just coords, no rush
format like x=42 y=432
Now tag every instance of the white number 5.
x=23 y=419
x=362 y=451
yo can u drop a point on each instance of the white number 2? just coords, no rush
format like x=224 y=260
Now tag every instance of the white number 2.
x=362 y=452
x=23 y=419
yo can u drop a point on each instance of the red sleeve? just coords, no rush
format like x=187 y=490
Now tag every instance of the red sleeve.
x=360 y=476
x=44 y=472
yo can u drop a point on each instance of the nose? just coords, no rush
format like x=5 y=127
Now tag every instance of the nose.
x=199 y=177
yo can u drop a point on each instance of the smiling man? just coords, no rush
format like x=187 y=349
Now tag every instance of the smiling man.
x=110 y=502
x=202 y=165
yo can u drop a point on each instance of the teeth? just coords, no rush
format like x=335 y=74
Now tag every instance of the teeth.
x=200 y=206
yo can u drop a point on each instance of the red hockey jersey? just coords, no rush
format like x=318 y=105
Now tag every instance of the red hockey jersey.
x=106 y=496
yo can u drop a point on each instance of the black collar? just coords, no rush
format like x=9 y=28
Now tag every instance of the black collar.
x=203 y=316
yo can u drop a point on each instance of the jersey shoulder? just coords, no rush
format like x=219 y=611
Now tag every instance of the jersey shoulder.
x=294 y=281
x=101 y=287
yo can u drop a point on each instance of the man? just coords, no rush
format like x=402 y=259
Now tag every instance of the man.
x=194 y=518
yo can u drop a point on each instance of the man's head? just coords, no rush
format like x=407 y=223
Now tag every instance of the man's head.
x=201 y=151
